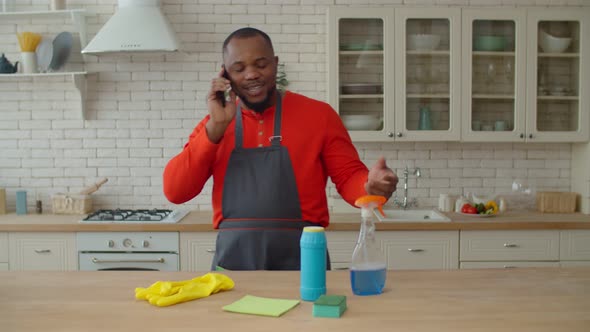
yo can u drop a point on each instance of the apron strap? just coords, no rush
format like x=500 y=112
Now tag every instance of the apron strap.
x=275 y=139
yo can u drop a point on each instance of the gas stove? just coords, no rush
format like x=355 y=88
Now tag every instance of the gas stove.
x=141 y=216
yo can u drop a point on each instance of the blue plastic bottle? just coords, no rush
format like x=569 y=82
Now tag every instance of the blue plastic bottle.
x=313 y=263
x=368 y=268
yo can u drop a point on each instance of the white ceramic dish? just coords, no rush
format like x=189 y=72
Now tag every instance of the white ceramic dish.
x=423 y=42
x=62 y=47
x=551 y=44
x=478 y=215
x=361 y=121
x=361 y=88
x=44 y=54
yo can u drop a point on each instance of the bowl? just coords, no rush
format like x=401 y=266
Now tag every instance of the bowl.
x=361 y=88
x=361 y=121
x=423 y=42
x=552 y=44
x=489 y=43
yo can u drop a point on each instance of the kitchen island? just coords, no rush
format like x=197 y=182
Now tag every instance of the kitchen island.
x=531 y=299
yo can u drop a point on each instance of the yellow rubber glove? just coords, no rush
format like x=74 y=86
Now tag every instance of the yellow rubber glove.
x=166 y=293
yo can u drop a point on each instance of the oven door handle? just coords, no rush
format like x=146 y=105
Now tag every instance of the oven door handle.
x=96 y=260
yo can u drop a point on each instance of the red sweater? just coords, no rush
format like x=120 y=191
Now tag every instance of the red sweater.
x=318 y=143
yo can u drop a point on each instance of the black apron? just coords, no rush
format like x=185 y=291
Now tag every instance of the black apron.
x=262 y=222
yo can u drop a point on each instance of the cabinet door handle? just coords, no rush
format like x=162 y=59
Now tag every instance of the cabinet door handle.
x=42 y=251
x=509 y=267
x=415 y=250
x=343 y=268
x=211 y=251
x=521 y=135
x=530 y=135
x=389 y=134
x=97 y=260
x=510 y=245
x=399 y=134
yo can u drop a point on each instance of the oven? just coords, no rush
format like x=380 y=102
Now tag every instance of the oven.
x=130 y=251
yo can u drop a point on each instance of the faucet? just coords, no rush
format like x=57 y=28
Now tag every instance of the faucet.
x=405 y=203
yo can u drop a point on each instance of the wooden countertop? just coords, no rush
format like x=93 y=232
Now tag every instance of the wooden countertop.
x=201 y=222
x=531 y=299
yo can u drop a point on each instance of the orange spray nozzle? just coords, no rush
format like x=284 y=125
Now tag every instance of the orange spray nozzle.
x=371 y=201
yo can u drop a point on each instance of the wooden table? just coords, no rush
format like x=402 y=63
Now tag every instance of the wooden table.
x=534 y=299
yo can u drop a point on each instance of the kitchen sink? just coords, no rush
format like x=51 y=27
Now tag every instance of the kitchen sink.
x=411 y=216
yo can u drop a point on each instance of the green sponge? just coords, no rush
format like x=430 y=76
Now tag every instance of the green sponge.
x=329 y=306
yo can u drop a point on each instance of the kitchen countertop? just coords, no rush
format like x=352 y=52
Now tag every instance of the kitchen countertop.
x=201 y=222
x=528 y=299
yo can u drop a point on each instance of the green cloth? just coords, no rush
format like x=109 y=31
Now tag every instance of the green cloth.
x=263 y=306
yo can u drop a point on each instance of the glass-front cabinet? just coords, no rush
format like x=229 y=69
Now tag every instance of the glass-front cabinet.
x=394 y=73
x=494 y=75
x=427 y=99
x=558 y=68
x=468 y=74
x=361 y=72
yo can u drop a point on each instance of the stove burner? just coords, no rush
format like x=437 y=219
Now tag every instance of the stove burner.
x=128 y=215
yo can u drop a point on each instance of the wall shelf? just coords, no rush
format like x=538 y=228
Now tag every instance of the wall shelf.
x=78 y=78
x=78 y=17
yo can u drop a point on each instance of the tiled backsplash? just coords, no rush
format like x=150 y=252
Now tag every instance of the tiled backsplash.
x=141 y=109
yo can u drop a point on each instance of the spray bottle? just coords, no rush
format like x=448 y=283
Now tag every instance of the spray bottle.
x=368 y=268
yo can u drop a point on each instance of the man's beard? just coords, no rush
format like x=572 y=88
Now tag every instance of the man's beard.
x=259 y=107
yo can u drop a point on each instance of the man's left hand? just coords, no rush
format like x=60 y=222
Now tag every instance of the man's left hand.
x=382 y=180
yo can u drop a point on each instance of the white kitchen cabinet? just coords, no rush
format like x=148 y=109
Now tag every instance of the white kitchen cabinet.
x=197 y=250
x=29 y=251
x=401 y=249
x=574 y=246
x=558 y=104
x=428 y=65
x=3 y=251
x=361 y=70
x=508 y=245
x=387 y=90
x=78 y=18
x=340 y=247
x=513 y=90
x=420 y=249
x=494 y=74
x=507 y=264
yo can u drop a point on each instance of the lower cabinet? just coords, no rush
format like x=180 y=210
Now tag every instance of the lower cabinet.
x=574 y=247
x=197 y=250
x=29 y=251
x=3 y=251
x=509 y=249
x=402 y=249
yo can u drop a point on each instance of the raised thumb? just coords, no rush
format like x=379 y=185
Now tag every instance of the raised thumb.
x=380 y=163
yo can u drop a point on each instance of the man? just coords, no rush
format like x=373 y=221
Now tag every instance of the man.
x=270 y=155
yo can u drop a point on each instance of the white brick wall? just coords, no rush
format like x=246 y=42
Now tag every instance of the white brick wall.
x=142 y=107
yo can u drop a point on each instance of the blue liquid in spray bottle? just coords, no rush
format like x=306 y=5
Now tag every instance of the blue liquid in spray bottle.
x=368 y=268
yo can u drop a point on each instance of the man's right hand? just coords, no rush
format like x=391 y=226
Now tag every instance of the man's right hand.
x=221 y=113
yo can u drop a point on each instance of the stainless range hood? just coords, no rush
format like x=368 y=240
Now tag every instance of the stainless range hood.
x=137 y=26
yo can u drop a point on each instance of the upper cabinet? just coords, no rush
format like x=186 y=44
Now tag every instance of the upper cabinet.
x=361 y=70
x=394 y=74
x=558 y=71
x=431 y=74
x=428 y=61
x=494 y=79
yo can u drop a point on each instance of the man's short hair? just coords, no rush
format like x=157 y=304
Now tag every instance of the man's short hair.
x=246 y=32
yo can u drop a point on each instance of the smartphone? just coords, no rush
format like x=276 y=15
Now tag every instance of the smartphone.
x=221 y=94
